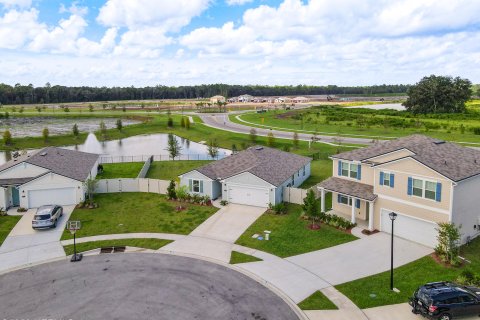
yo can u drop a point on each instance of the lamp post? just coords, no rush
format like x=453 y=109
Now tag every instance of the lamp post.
x=392 y=216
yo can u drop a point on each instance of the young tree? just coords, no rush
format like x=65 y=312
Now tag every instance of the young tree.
x=448 y=242
x=124 y=109
x=182 y=122
x=172 y=194
x=212 y=148
x=187 y=123
x=311 y=208
x=253 y=135
x=7 y=138
x=439 y=94
x=234 y=148
x=173 y=147
x=103 y=129
x=91 y=186
x=270 y=139
x=119 y=124
x=295 y=140
x=90 y=107
x=75 y=131
x=170 y=123
x=45 y=134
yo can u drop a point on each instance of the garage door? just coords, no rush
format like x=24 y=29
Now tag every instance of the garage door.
x=412 y=229
x=63 y=196
x=249 y=196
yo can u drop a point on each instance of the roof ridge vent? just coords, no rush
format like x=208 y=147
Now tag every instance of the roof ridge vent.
x=439 y=142
x=259 y=148
x=43 y=154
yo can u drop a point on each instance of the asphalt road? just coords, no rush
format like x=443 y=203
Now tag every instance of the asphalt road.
x=136 y=286
x=221 y=121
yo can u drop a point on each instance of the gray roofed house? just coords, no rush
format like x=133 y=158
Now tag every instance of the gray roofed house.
x=254 y=176
x=47 y=176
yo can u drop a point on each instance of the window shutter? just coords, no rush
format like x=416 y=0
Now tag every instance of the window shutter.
x=190 y=187
x=381 y=178
x=357 y=203
x=359 y=174
x=201 y=186
x=392 y=180
x=339 y=168
x=338 y=198
x=438 y=195
x=410 y=186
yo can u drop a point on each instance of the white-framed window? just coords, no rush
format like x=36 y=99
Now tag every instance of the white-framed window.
x=425 y=189
x=350 y=170
x=195 y=185
x=386 y=179
x=344 y=200
x=353 y=170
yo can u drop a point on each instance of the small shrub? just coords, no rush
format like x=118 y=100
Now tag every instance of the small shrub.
x=223 y=202
x=172 y=194
x=182 y=193
x=476 y=130
x=170 y=123
x=22 y=209
x=279 y=208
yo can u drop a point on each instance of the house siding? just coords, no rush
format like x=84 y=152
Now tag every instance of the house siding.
x=360 y=213
x=247 y=179
x=208 y=184
x=22 y=170
x=466 y=204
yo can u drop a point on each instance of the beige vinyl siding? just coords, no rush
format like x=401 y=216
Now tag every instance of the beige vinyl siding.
x=392 y=156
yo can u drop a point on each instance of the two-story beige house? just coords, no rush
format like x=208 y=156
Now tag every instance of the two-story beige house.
x=424 y=180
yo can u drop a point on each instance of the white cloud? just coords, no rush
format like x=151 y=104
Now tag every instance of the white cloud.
x=16 y=3
x=237 y=2
x=73 y=9
x=19 y=27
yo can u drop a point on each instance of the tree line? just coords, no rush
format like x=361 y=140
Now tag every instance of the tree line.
x=28 y=94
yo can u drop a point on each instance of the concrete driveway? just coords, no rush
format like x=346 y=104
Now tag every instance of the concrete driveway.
x=214 y=238
x=360 y=258
x=25 y=245
x=137 y=286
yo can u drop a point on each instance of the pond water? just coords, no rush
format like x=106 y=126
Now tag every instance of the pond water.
x=138 y=148
x=33 y=126
x=394 y=106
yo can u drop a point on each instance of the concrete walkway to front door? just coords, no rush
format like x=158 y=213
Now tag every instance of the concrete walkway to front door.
x=215 y=237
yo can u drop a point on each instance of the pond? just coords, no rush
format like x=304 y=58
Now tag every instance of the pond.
x=33 y=126
x=394 y=106
x=138 y=148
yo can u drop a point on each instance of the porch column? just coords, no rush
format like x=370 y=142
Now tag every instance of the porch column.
x=370 y=216
x=353 y=210
x=322 y=197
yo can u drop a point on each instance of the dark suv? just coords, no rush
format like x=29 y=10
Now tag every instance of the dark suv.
x=444 y=301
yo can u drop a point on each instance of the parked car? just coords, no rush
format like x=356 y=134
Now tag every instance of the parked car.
x=445 y=301
x=47 y=216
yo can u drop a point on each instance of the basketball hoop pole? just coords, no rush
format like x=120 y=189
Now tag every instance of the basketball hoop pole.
x=73 y=227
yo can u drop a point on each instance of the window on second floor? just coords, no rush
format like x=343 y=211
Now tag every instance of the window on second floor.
x=387 y=179
x=351 y=170
x=424 y=189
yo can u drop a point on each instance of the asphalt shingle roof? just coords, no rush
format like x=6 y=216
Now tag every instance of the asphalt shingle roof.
x=271 y=165
x=351 y=188
x=449 y=159
x=69 y=163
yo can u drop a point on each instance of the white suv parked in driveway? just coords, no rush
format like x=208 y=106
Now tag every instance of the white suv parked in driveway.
x=47 y=216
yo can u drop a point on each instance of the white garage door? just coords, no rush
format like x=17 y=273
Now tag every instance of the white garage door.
x=409 y=228
x=63 y=196
x=249 y=196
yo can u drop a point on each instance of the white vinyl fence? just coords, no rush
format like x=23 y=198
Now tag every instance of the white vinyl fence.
x=158 y=157
x=132 y=185
x=296 y=195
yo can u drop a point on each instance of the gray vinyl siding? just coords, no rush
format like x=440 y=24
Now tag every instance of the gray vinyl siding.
x=299 y=178
x=465 y=207
x=208 y=187
x=247 y=179
x=216 y=190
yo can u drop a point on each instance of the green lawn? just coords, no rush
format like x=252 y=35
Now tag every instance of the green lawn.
x=120 y=170
x=147 y=243
x=291 y=235
x=407 y=279
x=317 y=301
x=238 y=257
x=320 y=170
x=6 y=225
x=170 y=170
x=138 y=212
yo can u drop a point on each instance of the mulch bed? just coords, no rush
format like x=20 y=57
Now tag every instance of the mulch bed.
x=368 y=232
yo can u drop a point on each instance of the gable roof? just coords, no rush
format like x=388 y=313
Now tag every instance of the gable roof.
x=69 y=163
x=272 y=165
x=449 y=159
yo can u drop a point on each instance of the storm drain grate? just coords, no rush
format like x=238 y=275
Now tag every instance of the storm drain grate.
x=112 y=249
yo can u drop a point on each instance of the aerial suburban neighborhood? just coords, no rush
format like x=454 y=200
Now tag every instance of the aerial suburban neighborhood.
x=239 y=159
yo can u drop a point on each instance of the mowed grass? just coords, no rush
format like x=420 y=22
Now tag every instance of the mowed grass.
x=147 y=243
x=238 y=257
x=138 y=212
x=170 y=170
x=317 y=301
x=6 y=225
x=120 y=170
x=319 y=171
x=407 y=279
x=290 y=234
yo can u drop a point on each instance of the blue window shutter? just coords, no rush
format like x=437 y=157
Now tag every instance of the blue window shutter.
x=190 y=187
x=338 y=198
x=359 y=175
x=339 y=168
x=381 y=178
x=410 y=186
x=392 y=180
x=438 y=196
x=357 y=203
x=201 y=186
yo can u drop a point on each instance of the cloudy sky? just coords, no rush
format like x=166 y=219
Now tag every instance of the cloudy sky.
x=175 y=42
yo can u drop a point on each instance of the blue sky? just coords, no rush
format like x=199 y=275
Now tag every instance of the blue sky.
x=182 y=42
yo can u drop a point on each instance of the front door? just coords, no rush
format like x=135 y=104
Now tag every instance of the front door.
x=15 y=197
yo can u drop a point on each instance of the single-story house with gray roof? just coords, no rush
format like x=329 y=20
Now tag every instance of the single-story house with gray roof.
x=255 y=176
x=48 y=176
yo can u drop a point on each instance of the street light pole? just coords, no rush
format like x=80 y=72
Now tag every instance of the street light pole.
x=392 y=216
